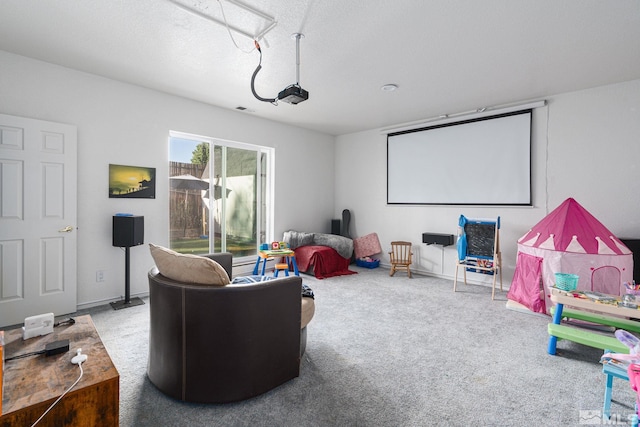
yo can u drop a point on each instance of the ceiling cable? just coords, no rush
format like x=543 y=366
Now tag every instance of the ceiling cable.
x=292 y=94
x=274 y=101
x=270 y=21
x=226 y=24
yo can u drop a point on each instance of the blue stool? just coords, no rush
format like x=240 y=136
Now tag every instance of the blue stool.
x=613 y=370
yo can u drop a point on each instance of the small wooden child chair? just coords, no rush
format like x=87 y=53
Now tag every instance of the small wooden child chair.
x=400 y=257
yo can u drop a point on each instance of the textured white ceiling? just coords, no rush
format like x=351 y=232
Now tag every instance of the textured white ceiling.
x=446 y=56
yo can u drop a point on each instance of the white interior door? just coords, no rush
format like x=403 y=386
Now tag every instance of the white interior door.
x=37 y=218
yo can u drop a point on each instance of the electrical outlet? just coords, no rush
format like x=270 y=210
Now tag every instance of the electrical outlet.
x=100 y=276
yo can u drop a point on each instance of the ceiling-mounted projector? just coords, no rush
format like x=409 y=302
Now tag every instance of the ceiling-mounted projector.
x=292 y=94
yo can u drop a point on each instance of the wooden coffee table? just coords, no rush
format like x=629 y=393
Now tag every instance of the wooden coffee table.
x=33 y=383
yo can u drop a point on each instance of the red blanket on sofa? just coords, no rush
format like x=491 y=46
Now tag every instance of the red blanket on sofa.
x=326 y=261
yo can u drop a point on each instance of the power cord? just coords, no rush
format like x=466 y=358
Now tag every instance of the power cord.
x=50 y=349
x=78 y=359
x=69 y=321
x=226 y=24
x=274 y=101
x=20 y=356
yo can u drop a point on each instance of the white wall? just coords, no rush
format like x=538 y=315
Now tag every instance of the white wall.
x=586 y=145
x=125 y=124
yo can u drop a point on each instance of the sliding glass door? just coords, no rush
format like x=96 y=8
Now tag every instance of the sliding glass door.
x=219 y=195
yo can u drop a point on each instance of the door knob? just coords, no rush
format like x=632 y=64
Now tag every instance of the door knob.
x=67 y=229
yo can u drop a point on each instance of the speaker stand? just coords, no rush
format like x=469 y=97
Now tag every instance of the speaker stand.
x=127 y=302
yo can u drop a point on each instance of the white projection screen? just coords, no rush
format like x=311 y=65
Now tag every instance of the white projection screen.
x=484 y=161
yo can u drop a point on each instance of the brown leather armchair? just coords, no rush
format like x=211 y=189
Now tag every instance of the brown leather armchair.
x=216 y=344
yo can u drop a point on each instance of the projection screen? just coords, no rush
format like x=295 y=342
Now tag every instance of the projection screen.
x=485 y=161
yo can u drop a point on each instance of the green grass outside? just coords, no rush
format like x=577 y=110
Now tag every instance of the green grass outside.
x=201 y=246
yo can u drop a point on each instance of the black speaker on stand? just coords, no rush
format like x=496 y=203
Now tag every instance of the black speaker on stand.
x=128 y=231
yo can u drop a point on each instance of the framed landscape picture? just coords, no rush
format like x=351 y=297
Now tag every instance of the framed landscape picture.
x=132 y=182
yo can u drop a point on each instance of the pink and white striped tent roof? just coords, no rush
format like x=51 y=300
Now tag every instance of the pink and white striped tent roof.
x=568 y=240
x=571 y=228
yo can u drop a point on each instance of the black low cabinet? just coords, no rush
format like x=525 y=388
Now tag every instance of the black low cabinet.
x=437 y=239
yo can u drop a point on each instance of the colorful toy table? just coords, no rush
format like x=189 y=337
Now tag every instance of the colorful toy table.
x=608 y=314
x=263 y=256
x=597 y=312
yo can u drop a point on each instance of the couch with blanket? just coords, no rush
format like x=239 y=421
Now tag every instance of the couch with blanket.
x=320 y=254
x=212 y=341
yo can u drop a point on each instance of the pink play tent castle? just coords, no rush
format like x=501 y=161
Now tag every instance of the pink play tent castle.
x=568 y=240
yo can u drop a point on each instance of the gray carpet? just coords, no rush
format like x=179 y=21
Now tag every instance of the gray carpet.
x=392 y=351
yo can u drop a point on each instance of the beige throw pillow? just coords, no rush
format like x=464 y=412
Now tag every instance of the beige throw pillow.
x=188 y=268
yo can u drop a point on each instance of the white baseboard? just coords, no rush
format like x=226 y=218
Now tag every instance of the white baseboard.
x=105 y=301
